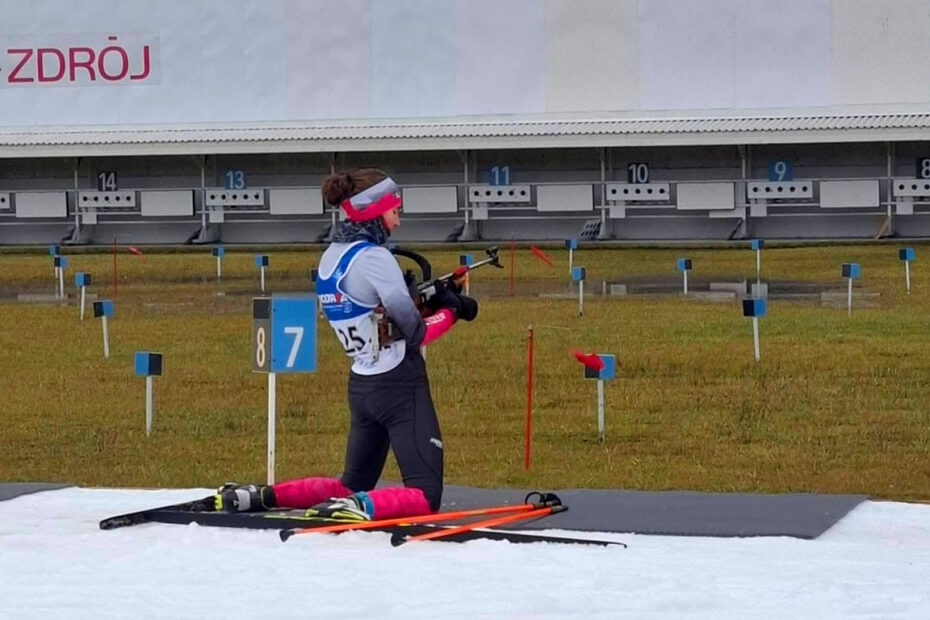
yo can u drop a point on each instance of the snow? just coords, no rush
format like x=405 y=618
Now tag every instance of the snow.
x=56 y=563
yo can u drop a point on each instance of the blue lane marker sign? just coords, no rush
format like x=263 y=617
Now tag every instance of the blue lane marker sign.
x=53 y=251
x=146 y=363
x=606 y=373
x=82 y=281
x=219 y=252
x=261 y=261
x=578 y=275
x=609 y=371
x=684 y=266
x=907 y=255
x=60 y=263
x=850 y=271
x=571 y=245
x=756 y=245
x=754 y=308
x=103 y=309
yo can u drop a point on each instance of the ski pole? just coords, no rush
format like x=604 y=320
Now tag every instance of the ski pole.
x=539 y=512
x=431 y=518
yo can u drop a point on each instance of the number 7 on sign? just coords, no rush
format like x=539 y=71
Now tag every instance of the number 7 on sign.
x=298 y=333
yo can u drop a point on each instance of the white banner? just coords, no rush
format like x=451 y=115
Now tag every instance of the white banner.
x=119 y=62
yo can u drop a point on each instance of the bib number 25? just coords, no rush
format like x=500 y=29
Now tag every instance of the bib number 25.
x=351 y=341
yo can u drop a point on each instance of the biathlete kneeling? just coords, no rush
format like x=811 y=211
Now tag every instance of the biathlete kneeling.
x=388 y=388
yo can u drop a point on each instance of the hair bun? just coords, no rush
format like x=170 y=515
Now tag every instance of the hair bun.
x=337 y=187
x=342 y=185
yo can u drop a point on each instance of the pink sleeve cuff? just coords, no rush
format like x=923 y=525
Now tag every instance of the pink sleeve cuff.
x=437 y=324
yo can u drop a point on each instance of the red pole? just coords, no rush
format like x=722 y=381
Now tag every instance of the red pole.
x=114 y=265
x=529 y=400
x=511 y=265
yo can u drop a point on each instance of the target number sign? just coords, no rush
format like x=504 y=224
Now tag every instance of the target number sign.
x=284 y=334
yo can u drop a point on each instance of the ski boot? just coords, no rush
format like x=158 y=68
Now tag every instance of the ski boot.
x=356 y=507
x=232 y=497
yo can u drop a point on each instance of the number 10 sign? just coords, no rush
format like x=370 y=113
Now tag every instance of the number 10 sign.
x=283 y=340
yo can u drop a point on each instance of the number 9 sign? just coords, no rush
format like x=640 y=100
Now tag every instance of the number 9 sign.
x=284 y=334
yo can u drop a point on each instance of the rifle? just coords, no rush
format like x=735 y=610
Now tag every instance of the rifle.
x=424 y=289
x=427 y=289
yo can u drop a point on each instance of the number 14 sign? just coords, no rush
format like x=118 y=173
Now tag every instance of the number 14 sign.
x=283 y=340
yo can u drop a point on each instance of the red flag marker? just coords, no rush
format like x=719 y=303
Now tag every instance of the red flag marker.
x=136 y=251
x=541 y=255
x=590 y=360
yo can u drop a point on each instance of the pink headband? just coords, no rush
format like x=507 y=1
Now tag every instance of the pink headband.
x=372 y=202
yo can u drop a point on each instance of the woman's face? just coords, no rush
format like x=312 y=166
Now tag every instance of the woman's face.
x=391 y=218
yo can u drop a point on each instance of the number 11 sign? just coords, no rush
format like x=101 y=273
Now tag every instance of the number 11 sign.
x=283 y=340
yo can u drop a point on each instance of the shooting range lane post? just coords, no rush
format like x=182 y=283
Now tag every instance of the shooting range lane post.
x=907 y=255
x=851 y=272
x=578 y=275
x=529 y=398
x=466 y=260
x=219 y=252
x=82 y=281
x=148 y=364
x=607 y=372
x=283 y=340
x=53 y=251
x=261 y=261
x=756 y=245
x=103 y=309
x=61 y=262
x=684 y=266
x=754 y=307
x=571 y=245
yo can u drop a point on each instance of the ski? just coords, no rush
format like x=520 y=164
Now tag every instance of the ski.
x=536 y=513
x=205 y=504
x=544 y=500
x=400 y=536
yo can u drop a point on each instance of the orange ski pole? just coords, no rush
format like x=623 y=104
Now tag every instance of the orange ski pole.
x=450 y=531
x=431 y=518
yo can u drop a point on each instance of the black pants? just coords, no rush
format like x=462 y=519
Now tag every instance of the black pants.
x=394 y=410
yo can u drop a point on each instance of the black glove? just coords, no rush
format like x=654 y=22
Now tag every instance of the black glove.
x=469 y=308
x=445 y=298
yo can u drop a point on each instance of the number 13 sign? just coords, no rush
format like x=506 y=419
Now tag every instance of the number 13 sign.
x=284 y=334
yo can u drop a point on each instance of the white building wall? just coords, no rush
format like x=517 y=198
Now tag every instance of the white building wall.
x=880 y=52
x=211 y=61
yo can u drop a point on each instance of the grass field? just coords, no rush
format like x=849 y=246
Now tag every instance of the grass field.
x=838 y=403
